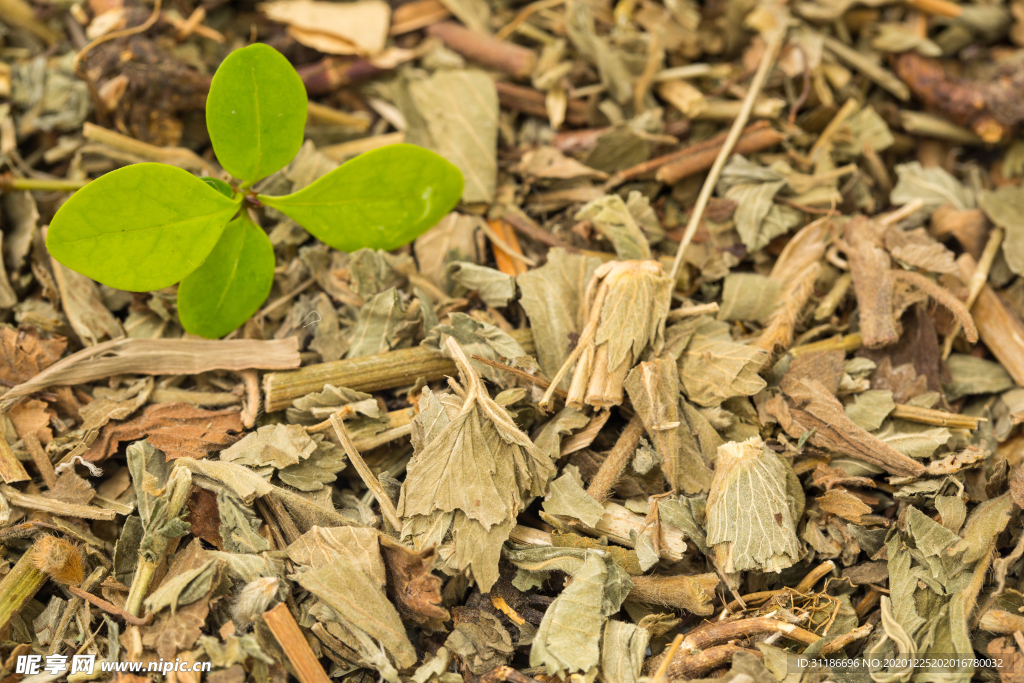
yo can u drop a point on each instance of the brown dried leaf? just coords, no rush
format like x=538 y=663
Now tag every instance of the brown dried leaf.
x=24 y=354
x=71 y=488
x=412 y=586
x=179 y=430
x=813 y=409
x=844 y=504
x=32 y=417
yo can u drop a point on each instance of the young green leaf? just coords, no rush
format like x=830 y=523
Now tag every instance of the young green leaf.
x=230 y=286
x=382 y=199
x=141 y=227
x=219 y=185
x=256 y=112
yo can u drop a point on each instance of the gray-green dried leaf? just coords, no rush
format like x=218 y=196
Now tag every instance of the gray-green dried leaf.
x=552 y=296
x=479 y=339
x=357 y=601
x=566 y=497
x=1004 y=207
x=749 y=512
x=277 y=446
x=870 y=408
x=455 y=113
x=496 y=289
x=478 y=465
x=569 y=636
x=623 y=647
x=714 y=368
x=612 y=218
x=748 y=296
x=971 y=375
x=239 y=526
x=934 y=186
x=385 y=323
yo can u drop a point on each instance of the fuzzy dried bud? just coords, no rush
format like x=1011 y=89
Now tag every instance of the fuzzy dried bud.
x=60 y=559
x=254 y=599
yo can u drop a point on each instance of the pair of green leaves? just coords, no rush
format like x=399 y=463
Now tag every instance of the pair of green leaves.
x=148 y=226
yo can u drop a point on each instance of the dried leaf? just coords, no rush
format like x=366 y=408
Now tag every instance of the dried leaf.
x=455 y=113
x=80 y=298
x=495 y=288
x=412 y=586
x=25 y=355
x=870 y=408
x=748 y=296
x=385 y=323
x=552 y=296
x=566 y=497
x=623 y=647
x=745 y=536
x=466 y=465
x=569 y=637
x=933 y=186
x=357 y=601
x=239 y=526
x=843 y=503
x=613 y=219
x=334 y=28
x=32 y=417
x=178 y=429
x=714 y=368
x=275 y=445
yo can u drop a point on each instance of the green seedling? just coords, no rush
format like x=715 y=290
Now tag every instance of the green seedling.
x=148 y=226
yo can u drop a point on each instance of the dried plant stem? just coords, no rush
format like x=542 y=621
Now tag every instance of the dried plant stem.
x=289 y=636
x=834 y=646
x=161 y=357
x=880 y=75
x=41 y=459
x=19 y=586
x=782 y=324
x=380 y=371
x=55 y=507
x=830 y=302
x=521 y=374
x=923 y=124
x=977 y=282
x=848 y=109
x=417 y=14
x=615 y=464
x=690 y=665
x=175 y=156
x=771 y=51
x=715 y=633
x=998 y=621
x=11 y=469
x=942 y=8
x=616 y=524
x=9 y=183
x=850 y=342
x=939 y=418
x=74 y=604
x=660 y=676
x=387 y=508
x=177 y=489
x=511 y=255
x=492 y=52
x=1000 y=329
x=807 y=583
x=108 y=607
x=330 y=115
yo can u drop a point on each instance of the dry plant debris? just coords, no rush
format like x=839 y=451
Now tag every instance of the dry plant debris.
x=716 y=372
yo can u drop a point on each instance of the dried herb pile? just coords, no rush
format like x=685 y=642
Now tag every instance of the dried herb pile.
x=717 y=368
